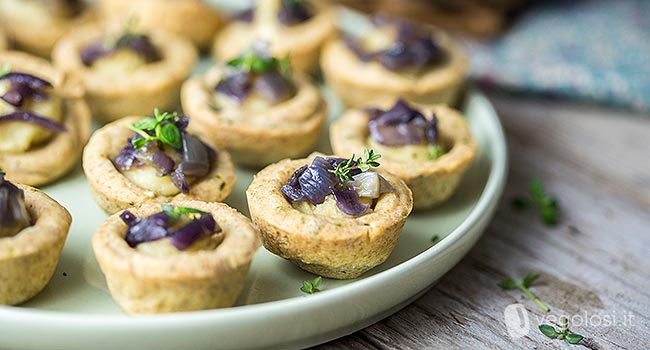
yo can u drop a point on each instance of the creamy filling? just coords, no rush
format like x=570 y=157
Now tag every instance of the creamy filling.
x=327 y=208
x=150 y=178
x=18 y=136
x=118 y=64
x=163 y=247
x=252 y=103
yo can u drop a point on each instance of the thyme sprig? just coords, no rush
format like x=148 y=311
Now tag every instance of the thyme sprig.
x=160 y=127
x=562 y=334
x=254 y=62
x=539 y=199
x=6 y=69
x=311 y=287
x=344 y=169
x=526 y=282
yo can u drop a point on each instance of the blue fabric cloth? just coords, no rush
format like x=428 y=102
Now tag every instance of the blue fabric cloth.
x=595 y=50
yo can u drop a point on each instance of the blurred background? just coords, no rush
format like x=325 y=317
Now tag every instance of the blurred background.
x=585 y=50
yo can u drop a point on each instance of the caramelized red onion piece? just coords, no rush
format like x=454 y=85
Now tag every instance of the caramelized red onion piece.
x=138 y=43
x=24 y=86
x=293 y=12
x=401 y=125
x=317 y=181
x=32 y=118
x=13 y=211
x=292 y=189
x=347 y=200
x=188 y=234
x=273 y=86
x=163 y=162
x=148 y=229
x=237 y=86
x=157 y=226
x=196 y=158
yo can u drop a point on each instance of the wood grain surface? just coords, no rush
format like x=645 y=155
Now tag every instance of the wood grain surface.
x=595 y=264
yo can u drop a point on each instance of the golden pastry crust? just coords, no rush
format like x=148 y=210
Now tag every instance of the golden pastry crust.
x=432 y=182
x=204 y=279
x=195 y=20
x=288 y=129
x=361 y=84
x=28 y=259
x=114 y=192
x=34 y=29
x=47 y=162
x=341 y=248
x=4 y=44
x=303 y=42
x=112 y=95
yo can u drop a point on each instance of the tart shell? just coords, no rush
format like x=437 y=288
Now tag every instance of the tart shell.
x=287 y=130
x=341 y=248
x=153 y=85
x=47 y=162
x=195 y=20
x=36 y=33
x=28 y=259
x=114 y=192
x=303 y=42
x=432 y=182
x=361 y=84
x=4 y=44
x=204 y=279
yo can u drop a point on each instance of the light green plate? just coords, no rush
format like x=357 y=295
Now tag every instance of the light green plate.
x=76 y=311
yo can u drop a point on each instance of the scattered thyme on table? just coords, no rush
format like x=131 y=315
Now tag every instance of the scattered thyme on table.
x=562 y=334
x=526 y=282
x=542 y=201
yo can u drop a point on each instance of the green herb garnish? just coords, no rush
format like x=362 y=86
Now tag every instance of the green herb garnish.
x=152 y=129
x=6 y=69
x=435 y=239
x=369 y=160
x=435 y=151
x=253 y=62
x=562 y=334
x=311 y=287
x=545 y=204
x=509 y=283
x=176 y=212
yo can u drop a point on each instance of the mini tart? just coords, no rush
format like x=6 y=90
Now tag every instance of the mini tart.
x=28 y=259
x=341 y=248
x=33 y=28
x=360 y=83
x=49 y=161
x=303 y=42
x=195 y=20
x=287 y=129
x=432 y=182
x=114 y=192
x=205 y=279
x=116 y=91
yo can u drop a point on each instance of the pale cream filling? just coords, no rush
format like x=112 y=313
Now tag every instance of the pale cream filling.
x=327 y=208
x=119 y=63
x=19 y=136
x=163 y=247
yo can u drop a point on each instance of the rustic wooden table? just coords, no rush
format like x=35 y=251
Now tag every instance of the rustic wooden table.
x=595 y=264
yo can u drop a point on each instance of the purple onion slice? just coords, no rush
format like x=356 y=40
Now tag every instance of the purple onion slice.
x=196 y=158
x=237 y=86
x=293 y=12
x=13 y=211
x=292 y=189
x=347 y=200
x=180 y=181
x=127 y=158
x=163 y=162
x=317 y=181
x=247 y=16
x=93 y=52
x=32 y=118
x=274 y=86
x=188 y=234
x=148 y=229
x=401 y=125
